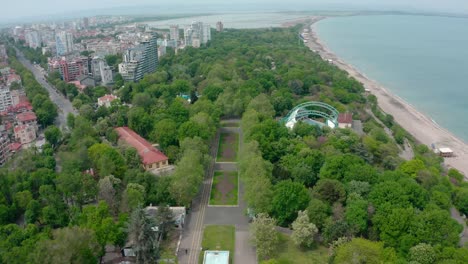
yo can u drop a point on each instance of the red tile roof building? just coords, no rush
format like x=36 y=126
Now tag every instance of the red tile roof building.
x=151 y=158
x=345 y=120
x=26 y=118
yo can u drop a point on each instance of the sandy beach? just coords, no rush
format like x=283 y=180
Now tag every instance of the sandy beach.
x=422 y=127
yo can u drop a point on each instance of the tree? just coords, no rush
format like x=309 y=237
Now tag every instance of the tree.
x=107 y=160
x=71 y=120
x=164 y=220
x=393 y=226
x=360 y=250
x=412 y=167
x=133 y=197
x=262 y=105
x=140 y=232
x=264 y=236
x=53 y=135
x=109 y=190
x=164 y=133
x=68 y=245
x=389 y=193
x=330 y=191
x=288 y=198
x=303 y=231
x=356 y=214
x=422 y=254
x=337 y=166
x=318 y=212
x=461 y=200
x=212 y=92
x=98 y=219
x=140 y=121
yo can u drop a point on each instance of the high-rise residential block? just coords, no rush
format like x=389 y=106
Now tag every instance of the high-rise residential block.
x=5 y=98
x=219 y=26
x=33 y=39
x=196 y=34
x=140 y=60
x=64 y=43
x=174 y=32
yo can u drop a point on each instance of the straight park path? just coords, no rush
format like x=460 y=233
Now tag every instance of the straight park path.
x=202 y=214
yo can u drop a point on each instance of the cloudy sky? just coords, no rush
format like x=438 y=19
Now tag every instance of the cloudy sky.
x=15 y=10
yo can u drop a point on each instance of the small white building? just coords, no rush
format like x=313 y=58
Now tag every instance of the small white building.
x=106 y=100
x=446 y=152
x=216 y=257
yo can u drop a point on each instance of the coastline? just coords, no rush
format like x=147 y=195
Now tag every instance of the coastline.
x=419 y=125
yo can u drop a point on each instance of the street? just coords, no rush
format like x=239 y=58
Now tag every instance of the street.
x=63 y=104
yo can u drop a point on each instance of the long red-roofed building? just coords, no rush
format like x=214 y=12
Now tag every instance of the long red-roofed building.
x=151 y=158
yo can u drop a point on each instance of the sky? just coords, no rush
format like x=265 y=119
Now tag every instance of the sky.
x=19 y=10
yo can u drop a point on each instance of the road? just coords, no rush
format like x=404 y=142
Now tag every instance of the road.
x=63 y=104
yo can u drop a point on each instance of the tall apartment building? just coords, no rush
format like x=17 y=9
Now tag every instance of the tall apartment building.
x=64 y=43
x=70 y=69
x=139 y=60
x=3 y=53
x=5 y=98
x=219 y=26
x=33 y=39
x=4 y=148
x=85 y=22
x=174 y=32
x=197 y=34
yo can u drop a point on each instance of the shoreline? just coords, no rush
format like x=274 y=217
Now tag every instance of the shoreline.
x=419 y=125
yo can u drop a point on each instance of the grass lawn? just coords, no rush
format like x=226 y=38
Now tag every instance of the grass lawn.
x=228 y=147
x=219 y=237
x=288 y=253
x=224 y=190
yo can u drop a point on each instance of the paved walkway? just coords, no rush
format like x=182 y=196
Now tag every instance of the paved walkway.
x=203 y=215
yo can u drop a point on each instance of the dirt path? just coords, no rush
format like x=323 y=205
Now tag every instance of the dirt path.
x=464 y=235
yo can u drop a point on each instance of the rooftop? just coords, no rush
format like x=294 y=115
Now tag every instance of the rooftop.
x=26 y=117
x=178 y=213
x=216 y=257
x=107 y=98
x=147 y=152
x=445 y=150
x=345 y=118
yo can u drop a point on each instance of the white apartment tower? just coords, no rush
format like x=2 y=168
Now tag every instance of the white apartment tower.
x=64 y=43
x=174 y=32
x=5 y=98
x=197 y=34
x=33 y=39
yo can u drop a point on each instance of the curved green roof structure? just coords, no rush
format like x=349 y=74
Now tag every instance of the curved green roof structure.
x=309 y=112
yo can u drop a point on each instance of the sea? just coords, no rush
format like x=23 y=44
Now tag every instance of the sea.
x=234 y=20
x=422 y=59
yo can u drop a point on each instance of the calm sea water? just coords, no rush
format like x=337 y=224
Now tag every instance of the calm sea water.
x=239 y=20
x=423 y=59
